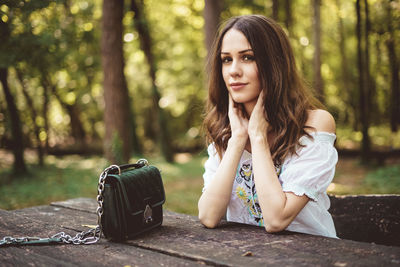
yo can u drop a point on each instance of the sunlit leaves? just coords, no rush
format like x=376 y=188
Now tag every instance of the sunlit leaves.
x=61 y=39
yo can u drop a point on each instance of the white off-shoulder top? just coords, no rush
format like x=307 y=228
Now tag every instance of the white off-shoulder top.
x=308 y=173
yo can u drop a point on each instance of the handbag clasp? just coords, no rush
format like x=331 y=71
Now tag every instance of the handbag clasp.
x=147 y=215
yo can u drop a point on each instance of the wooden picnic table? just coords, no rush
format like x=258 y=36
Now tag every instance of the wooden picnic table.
x=180 y=241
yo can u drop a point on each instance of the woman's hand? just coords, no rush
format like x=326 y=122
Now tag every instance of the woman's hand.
x=258 y=125
x=239 y=123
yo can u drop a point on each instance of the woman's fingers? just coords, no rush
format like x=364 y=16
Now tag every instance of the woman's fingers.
x=230 y=100
x=258 y=124
x=233 y=106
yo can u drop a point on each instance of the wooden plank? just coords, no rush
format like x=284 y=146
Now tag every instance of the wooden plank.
x=82 y=204
x=74 y=219
x=183 y=236
x=101 y=254
x=367 y=218
x=228 y=244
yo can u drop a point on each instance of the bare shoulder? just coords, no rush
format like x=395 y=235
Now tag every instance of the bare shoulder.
x=321 y=120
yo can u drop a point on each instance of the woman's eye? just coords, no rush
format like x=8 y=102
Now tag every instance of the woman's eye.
x=248 y=58
x=226 y=60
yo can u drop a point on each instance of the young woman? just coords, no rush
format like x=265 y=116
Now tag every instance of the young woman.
x=271 y=152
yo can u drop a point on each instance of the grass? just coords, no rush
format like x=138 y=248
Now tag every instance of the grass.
x=353 y=178
x=59 y=179
x=75 y=176
x=384 y=180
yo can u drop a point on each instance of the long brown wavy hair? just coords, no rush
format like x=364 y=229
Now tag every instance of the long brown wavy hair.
x=286 y=97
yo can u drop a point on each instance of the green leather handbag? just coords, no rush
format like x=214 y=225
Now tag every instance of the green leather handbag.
x=132 y=199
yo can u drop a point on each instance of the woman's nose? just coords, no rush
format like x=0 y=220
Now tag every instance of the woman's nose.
x=235 y=69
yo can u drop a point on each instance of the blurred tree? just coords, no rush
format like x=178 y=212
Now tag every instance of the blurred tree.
x=317 y=81
x=344 y=63
x=288 y=15
x=13 y=49
x=141 y=26
x=45 y=110
x=55 y=45
x=394 y=69
x=33 y=114
x=77 y=130
x=363 y=80
x=369 y=79
x=275 y=10
x=19 y=166
x=118 y=136
x=212 y=12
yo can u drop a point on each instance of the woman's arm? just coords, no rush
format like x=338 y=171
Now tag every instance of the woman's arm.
x=278 y=208
x=215 y=199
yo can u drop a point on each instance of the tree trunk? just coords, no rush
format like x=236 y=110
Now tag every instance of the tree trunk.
x=368 y=87
x=318 y=82
x=77 y=130
x=118 y=135
x=362 y=79
x=275 y=10
x=136 y=145
x=369 y=79
x=346 y=89
x=19 y=166
x=211 y=14
x=141 y=25
x=394 y=69
x=45 y=116
x=33 y=114
x=288 y=15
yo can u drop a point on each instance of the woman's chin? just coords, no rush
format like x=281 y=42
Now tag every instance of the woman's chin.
x=243 y=100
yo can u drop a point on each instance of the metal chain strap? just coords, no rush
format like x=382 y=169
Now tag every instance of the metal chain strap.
x=89 y=237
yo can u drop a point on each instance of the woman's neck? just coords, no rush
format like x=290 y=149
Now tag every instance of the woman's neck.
x=249 y=106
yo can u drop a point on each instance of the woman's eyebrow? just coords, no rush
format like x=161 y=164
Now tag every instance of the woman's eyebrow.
x=240 y=52
x=244 y=51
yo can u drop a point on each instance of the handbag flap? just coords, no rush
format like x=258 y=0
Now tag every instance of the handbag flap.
x=141 y=187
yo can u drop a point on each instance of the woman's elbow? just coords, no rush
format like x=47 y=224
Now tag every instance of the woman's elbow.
x=275 y=227
x=207 y=221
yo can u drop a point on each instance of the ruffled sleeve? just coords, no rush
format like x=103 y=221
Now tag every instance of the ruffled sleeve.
x=210 y=166
x=310 y=171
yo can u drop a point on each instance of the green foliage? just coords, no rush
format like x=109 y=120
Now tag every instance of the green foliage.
x=19 y=36
x=54 y=43
x=381 y=136
x=58 y=43
x=385 y=180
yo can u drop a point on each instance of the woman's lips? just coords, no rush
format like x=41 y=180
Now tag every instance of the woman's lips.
x=237 y=86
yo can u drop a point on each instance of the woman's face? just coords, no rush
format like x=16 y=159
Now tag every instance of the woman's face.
x=239 y=68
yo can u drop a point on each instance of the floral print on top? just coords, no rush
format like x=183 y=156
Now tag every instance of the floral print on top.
x=246 y=191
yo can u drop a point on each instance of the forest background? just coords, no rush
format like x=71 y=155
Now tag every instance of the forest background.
x=86 y=83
